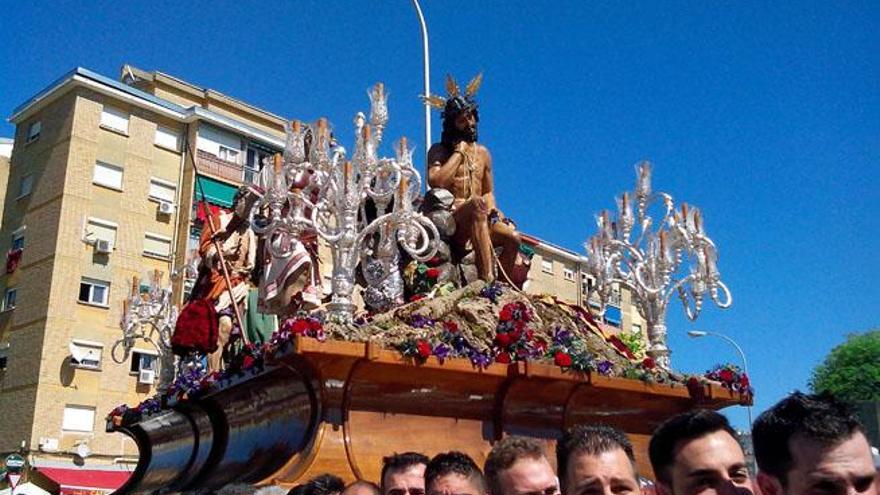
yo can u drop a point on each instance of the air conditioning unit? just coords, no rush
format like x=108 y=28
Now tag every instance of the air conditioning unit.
x=166 y=208
x=103 y=246
x=49 y=444
x=146 y=377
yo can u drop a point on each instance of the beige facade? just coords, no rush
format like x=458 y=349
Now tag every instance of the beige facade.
x=558 y=271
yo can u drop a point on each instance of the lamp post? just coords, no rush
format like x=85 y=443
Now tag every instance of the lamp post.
x=426 y=61
x=695 y=334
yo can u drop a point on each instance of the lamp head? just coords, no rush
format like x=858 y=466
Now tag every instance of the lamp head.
x=696 y=333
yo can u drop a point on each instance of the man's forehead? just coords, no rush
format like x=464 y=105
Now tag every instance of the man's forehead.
x=824 y=459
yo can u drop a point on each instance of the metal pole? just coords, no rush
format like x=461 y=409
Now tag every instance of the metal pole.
x=427 y=73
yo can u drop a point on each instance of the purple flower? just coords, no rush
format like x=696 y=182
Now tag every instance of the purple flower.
x=604 y=367
x=480 y=360
x=441 y=351
x=492 y=291
x=562 y=337
x=420 y=321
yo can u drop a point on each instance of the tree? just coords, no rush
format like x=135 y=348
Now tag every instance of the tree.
x=851 y=372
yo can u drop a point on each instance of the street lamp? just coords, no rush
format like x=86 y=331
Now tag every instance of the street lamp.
x=695 y=334
x=426 y=61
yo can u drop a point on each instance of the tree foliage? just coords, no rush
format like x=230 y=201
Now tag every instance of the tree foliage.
x=851 y=372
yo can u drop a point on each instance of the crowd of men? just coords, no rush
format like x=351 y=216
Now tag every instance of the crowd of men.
x=804 y=445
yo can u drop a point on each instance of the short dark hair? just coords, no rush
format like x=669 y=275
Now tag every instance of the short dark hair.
x=368 y=484
x=818 y=417
x=681 y=428
x=592 y=440
x=323 y=484
x=505 y=453
x=400 y=462
x=454 y=462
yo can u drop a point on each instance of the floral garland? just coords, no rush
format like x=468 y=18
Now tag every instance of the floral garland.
x=193 y=382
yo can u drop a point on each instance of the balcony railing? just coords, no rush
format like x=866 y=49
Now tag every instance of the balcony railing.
x=210 y=165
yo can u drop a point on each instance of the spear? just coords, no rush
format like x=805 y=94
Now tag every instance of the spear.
x=218 y=246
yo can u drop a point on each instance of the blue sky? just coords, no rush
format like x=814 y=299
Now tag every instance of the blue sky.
x=766 y=115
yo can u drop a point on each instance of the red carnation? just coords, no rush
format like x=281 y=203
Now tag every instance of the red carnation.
x=503 y=358
x=416 y=297
x=744 y=381
x=541 y=346
x=300 y=326
x=530 y=334
x=450 y=326
x=432 y=273
x=315 y=325
x=506 y=313
x=649 y=363
x=726 y=376
x=562 y=359
x=424 y=349
x=503 y=339
x=247 y=362
x=516 y=335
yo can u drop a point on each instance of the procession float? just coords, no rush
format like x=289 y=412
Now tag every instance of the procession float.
x=425 y=340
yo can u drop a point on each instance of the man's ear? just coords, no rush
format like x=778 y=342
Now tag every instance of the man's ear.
x=768 y=484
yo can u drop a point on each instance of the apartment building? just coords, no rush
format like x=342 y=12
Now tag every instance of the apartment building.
x=101 y=190
x=559 y=271
x=109 y=180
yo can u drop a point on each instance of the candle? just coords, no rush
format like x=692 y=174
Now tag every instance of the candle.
x=366 y=133
x=380 y=89
x=404 y=185
x=698 y=220
x=276 y=163
x=403 y=146
x=346 y=174
x=135 y=285
x=296 y=126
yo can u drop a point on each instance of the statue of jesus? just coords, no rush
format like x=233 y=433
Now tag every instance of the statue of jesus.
x=459 y=164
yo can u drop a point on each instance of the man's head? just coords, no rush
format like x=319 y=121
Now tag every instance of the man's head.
x=324 y=484
x=361 y=487
x=812 y=444
x=404 y=474
x=698 y=452
x=460 y=118
x=596 y=460
x=518 y=466
x=454 y=473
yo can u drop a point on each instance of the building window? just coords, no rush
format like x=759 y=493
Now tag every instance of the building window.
x=18 y=239
x=114 y=119
x=161 y=190
x=101 y=230
x=108 y=176
x=78 y=418
x=4 y=355
x=93 y=291
x=9 y=298
x=253 y=164
x=142 y=361
x=547 y=266
x=157 y=245
x=637 y=328
x=25 y=186
x=33 y=132
x=228 y=154
x=167 y=138
x=568 y=273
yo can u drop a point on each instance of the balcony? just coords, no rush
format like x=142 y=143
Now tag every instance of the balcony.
x=212 y=166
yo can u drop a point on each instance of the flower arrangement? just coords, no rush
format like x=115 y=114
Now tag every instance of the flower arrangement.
x=731 y=377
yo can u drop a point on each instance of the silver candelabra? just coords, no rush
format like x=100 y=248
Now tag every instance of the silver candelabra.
x=675 y=257
x=149 y=316
x=362 y=207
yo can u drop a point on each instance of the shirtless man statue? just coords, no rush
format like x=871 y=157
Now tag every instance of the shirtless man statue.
x=464 y=167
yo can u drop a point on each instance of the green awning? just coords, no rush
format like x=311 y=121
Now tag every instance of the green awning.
x=216 y=192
